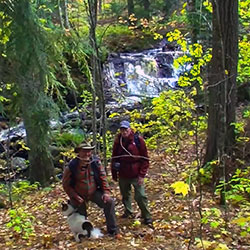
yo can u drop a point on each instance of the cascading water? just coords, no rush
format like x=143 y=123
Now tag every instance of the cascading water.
x=128 y=78
x=136 y=75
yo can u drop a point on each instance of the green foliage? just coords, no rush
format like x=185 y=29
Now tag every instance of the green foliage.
x=206 y=172
x=68 y=139
x=212 y=217
x=86 y=101
x=244 y=61
x=192 y=60
x=169 y=122
x=109 y=143
x=113 y=8
x=237 y=189
x=244 y=15
x=240 y=129
x=19 y=189
x=115 y=36
x=244 y=223
x=199 y=17
x=244 y=45
x=21 y=222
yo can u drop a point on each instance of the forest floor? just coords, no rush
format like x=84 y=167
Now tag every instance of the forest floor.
x=176 y=218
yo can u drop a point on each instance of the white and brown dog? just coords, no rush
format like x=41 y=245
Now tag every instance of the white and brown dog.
x=78 y=224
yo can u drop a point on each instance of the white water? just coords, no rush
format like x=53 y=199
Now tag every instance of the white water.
x=141 y=74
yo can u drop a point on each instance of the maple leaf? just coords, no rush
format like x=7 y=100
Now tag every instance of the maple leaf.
x=180 y=187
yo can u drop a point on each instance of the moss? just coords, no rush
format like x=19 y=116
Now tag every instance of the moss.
x=119 y=38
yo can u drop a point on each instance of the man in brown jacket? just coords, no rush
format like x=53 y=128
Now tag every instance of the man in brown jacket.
x=80 y=185
x=130 y=164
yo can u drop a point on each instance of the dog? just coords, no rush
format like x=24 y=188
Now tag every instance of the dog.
x=79 y=225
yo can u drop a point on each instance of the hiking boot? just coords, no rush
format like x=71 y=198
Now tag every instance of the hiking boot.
x=127 y=215
x=115 y=234
x=148 y=221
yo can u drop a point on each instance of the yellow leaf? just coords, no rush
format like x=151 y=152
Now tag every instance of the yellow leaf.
x=113 y=115
x=180 y=187
x=221 y=247
x=193 y=92
x=241 y=220
x=202 y=171
x=136 y=223
x=204 y=243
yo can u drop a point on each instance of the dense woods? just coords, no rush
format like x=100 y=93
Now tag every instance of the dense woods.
x=54 y=59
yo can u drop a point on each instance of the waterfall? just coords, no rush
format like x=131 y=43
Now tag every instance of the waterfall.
x=136 y=75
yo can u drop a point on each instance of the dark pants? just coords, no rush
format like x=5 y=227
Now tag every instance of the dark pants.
x=108 y=208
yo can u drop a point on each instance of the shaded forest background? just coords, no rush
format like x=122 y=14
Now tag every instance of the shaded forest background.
x=51 y=61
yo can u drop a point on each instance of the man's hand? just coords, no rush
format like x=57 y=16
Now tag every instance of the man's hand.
x=140 y=180
x=106 y=198
x=80 y=200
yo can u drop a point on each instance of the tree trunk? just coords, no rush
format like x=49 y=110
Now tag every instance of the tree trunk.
x=100 y=6
x=193 y=19
x=97 y=72
x=29 y=57
x=36 y=122
x=60 y=15
x=146 y=5
x=66 y=17
x=130 y=7
x=222 y=84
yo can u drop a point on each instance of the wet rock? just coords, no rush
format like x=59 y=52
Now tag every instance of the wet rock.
x=18 y=163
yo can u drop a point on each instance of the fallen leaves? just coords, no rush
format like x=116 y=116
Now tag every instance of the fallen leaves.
x=174 y=226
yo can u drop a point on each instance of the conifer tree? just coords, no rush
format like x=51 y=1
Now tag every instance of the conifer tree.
x=27 y=53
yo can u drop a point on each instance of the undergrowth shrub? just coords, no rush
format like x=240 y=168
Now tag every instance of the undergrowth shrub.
x=69 y=139
x=238 y=188
x=170 y=121
x=21 y=222
x=19 y=189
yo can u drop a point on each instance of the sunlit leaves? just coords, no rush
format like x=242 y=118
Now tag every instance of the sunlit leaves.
x=244 y=12
x=207 y=245
x=241 y=221
x=244 y=61
x=192 y=61
x=136 y=223
x=208 y=5
x=21 y=222
x=180 y=187
x=177 y=36
x=196 y=50
x=5 y=28
x=23 y=145
x=114 y=115
x=157 y=36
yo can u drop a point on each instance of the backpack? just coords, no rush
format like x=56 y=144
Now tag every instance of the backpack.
x=94 y=166
x=137 y=140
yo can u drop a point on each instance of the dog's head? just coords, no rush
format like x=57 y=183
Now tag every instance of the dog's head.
x=67 y=209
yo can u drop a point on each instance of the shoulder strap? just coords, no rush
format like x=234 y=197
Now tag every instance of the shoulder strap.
x=137 y=140
x=73 y=168
x=95 y=167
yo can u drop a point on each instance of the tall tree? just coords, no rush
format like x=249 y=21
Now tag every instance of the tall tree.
x=26 y=52
x=97 y=75
x=222 y=85
x=131 y=8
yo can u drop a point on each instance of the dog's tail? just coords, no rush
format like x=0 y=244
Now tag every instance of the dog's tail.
x=96 y=233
